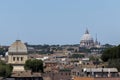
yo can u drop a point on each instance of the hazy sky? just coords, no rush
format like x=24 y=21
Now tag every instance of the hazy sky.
x=59 y=21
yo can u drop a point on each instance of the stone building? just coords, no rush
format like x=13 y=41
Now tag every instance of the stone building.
x=17 y=55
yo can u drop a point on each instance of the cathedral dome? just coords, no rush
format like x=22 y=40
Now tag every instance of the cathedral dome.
x=17 y=47
x=86 y=37
x=87 y=40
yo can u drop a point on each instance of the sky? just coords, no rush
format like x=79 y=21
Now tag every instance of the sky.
x=59 y=21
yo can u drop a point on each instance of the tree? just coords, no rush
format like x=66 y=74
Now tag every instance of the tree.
x=77 y=56
x=2 y=51
x=112 y=56
x=111 y=53
x=114 y=63
x=34 y=65
x=5 y=69
x=8 y=70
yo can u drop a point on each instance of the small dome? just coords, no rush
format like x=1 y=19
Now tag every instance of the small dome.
x=18 y=47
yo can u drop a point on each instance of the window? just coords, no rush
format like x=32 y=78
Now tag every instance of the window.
x=13 y=58
x=21 y=58
x=66 y=74
x=69 y=73
x=17 y=58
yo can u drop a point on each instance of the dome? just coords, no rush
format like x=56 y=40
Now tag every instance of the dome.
x=87 y=36
x=18 y=47
x=87 y=40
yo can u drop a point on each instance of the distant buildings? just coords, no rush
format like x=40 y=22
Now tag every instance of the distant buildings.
x=57 y=61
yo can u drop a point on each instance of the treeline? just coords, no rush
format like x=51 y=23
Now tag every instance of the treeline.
x=46 y=46
x=112 y=56
x=111 y=53
x=76 y=56
x=48 y=49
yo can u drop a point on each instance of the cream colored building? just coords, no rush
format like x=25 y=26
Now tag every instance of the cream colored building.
x=17 y=55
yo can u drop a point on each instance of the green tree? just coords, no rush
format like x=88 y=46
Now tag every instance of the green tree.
x=8 y=70
x=92 y=58
x=112 y=56
x=114 y=63
x=34 y=65
x=2 y=51
x=111 y=53
x=5 y=69
x=77 y=56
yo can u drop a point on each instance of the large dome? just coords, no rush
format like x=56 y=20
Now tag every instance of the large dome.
x=86 y=37
x=87 y=40
x=17 y=47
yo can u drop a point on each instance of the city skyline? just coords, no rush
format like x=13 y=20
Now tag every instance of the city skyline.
x=59 y=22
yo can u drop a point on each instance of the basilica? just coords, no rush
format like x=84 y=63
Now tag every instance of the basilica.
x=88 y=42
